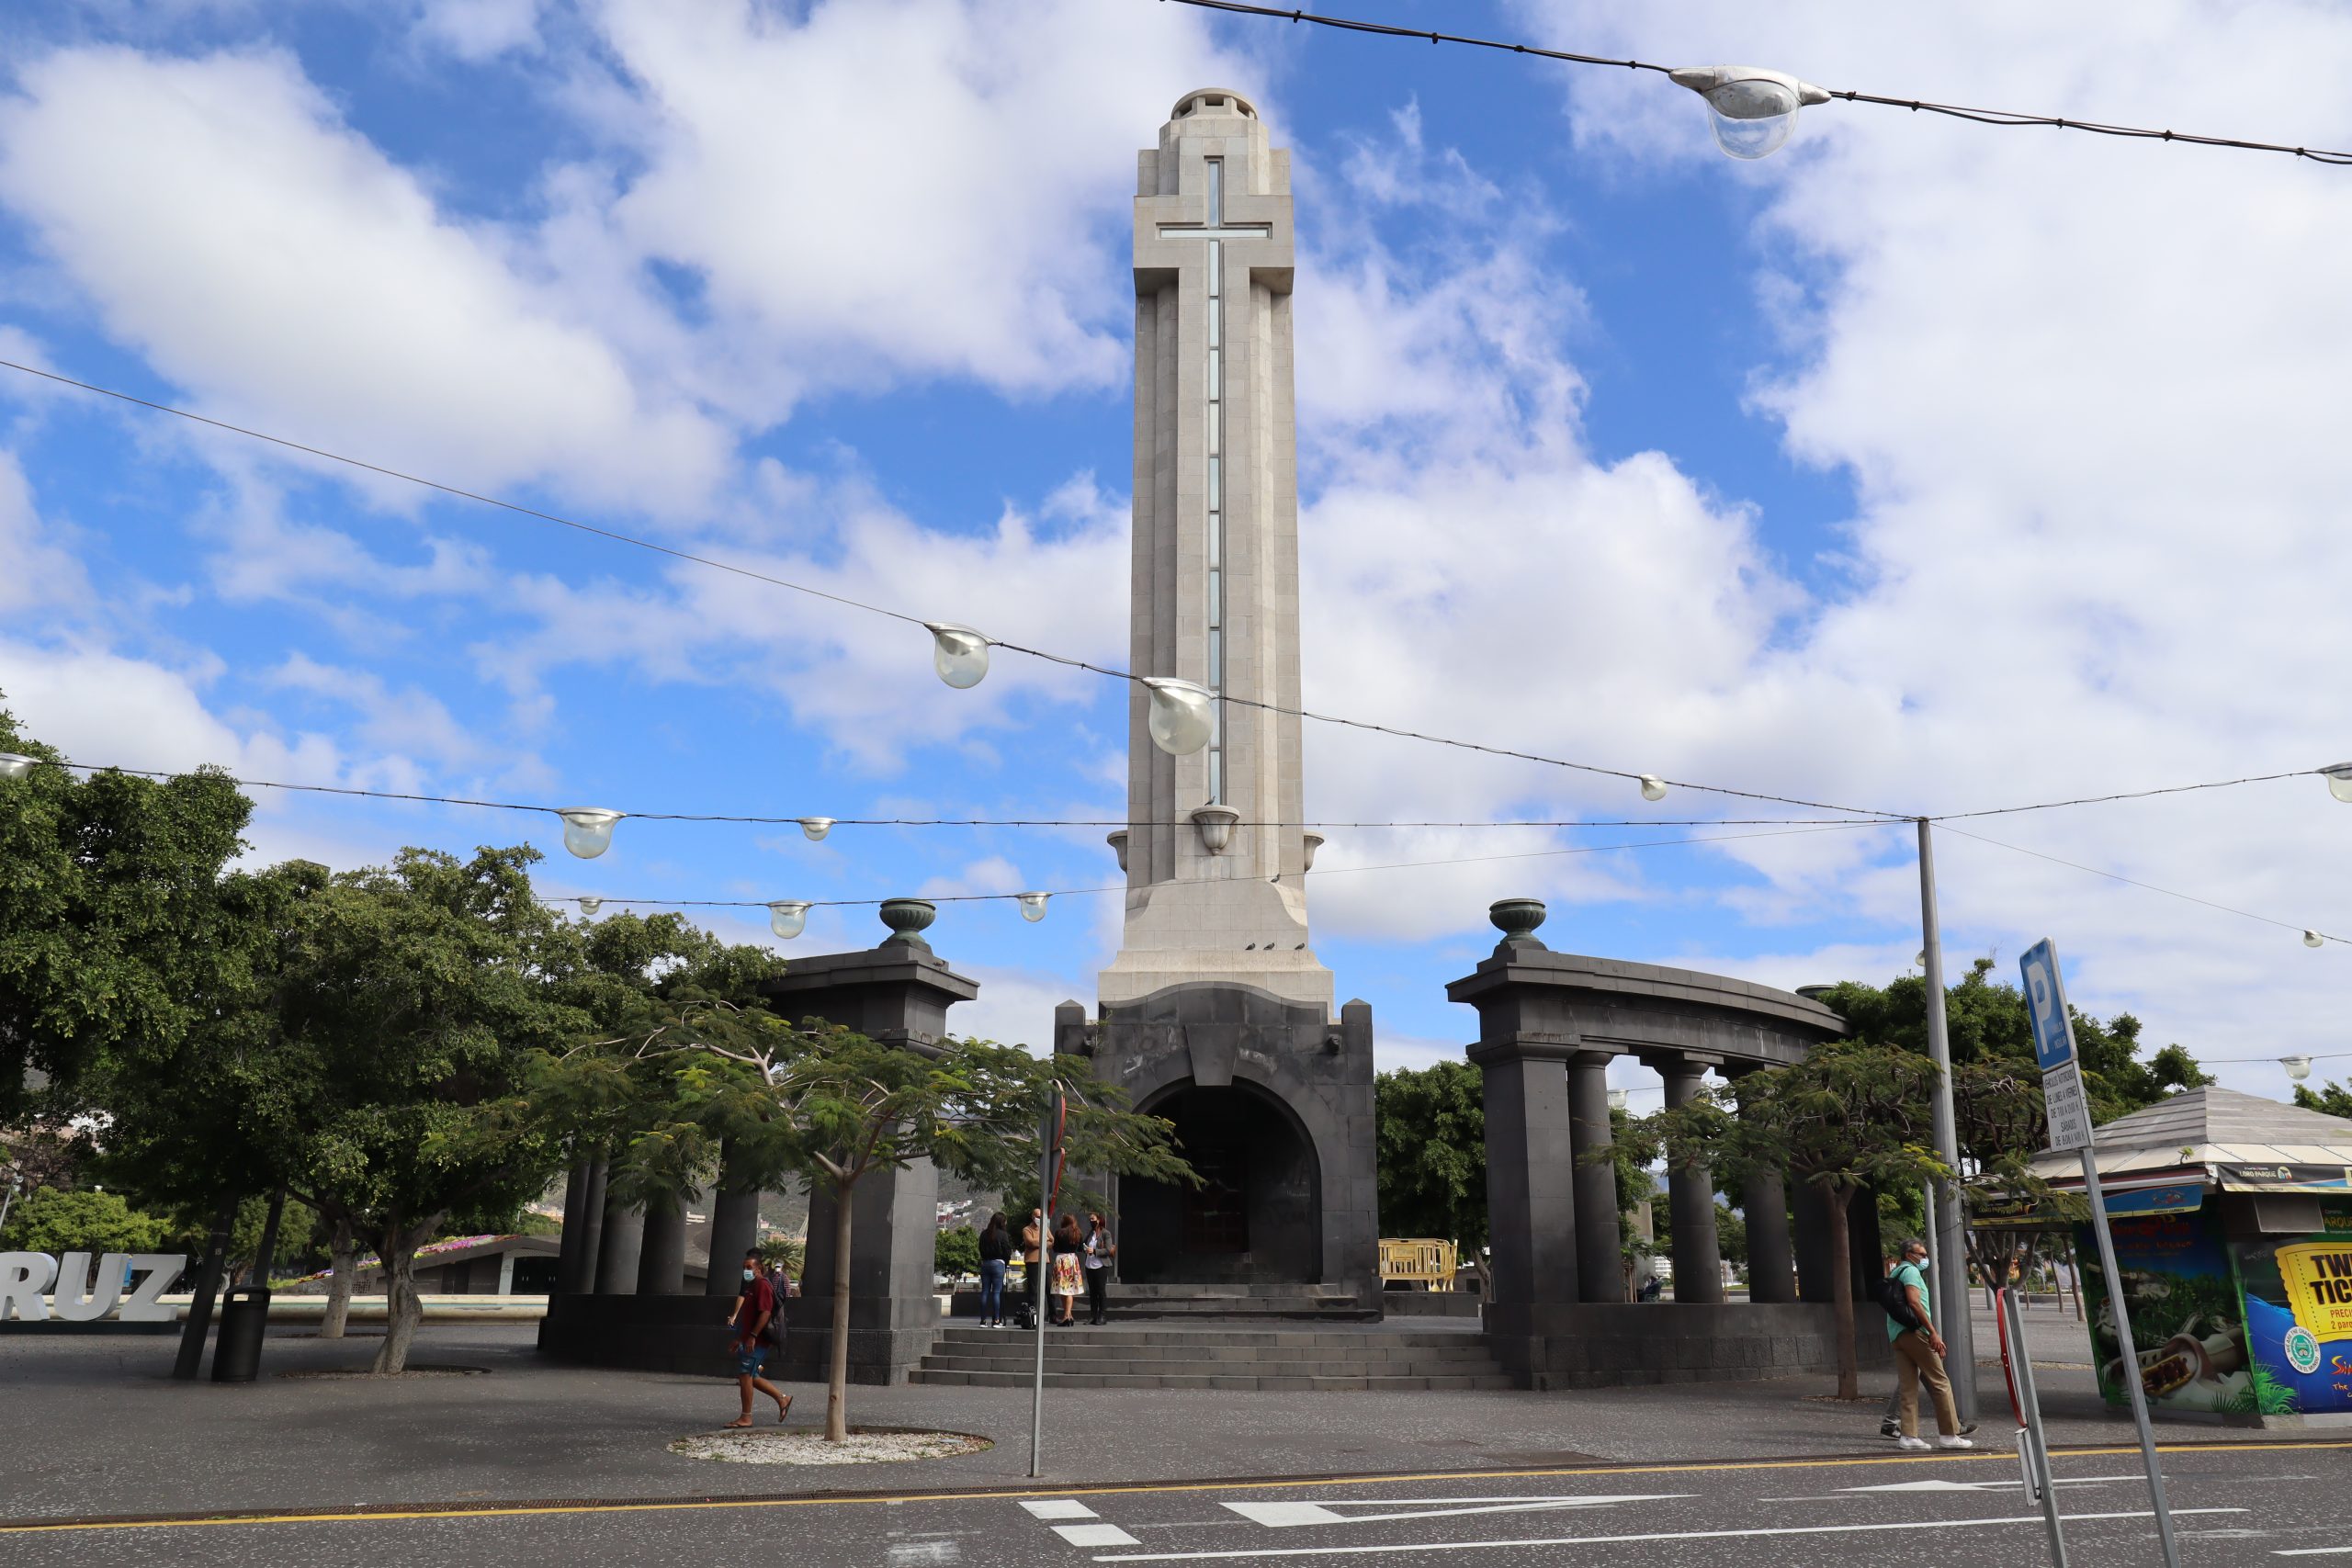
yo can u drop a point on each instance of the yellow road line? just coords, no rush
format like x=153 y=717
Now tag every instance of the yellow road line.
x=534 y=1510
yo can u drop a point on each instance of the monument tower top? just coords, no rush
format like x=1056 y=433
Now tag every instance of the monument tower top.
x=1216 y=854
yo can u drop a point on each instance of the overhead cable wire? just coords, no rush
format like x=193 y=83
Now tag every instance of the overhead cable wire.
x=615 y=535
x=2149 y=886
x=1917 y=105
x=2126 y=794
x=1328 y=871
x=786 y=821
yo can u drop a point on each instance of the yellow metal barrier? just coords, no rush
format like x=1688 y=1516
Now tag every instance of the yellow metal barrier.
x=1420 y=1263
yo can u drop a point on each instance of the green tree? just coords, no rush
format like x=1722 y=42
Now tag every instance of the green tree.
x=1852 y=1115
x=788 y=1253
x=1430 y=1152
x=55 y=1221
x=956 y=1252
x=837 y=1107
x=416 y=1005
x=109 y=914
x=2333 y=1099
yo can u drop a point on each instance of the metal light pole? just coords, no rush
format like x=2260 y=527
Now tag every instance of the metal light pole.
x=1951 y=1243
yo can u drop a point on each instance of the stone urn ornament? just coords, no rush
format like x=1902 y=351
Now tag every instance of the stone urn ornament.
x=1517 y=920
x=907 y=918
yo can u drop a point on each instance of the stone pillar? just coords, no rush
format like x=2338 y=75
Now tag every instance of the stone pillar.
x=734 y=1227
x=662 y=1252
x=572 y=1264
x=1772 y=1251
x=1530 y=1195
x=1771 y=1256
x=617 y=1258
x=1691 y=1194
x=898 y=993
x=1601 y=1275
x=1862 y=1238
x=1816 y=1275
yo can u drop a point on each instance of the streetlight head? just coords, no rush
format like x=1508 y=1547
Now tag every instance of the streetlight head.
x=1620 y=1097
x=2339 y=781
x=2298 y=1067
x=1182 y=712
x=787 y=918
x=958 y=653
x=2313 y=938
x=588 y=829
x=1653 y=787
x=589 y=904
x=1752 y=110
x=16 y=764
x=815 y=828
x=1033 y=905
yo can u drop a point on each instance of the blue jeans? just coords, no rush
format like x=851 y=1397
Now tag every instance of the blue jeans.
x=992 y=1290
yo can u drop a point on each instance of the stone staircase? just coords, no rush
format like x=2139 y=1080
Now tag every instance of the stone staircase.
x=1300 y=1359
x=1129 y=1302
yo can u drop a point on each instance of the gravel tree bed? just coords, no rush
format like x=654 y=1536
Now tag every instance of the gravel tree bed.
x=791 y=1445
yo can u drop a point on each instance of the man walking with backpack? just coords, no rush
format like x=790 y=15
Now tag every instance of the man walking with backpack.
x=1918 y=1351
x=757 y=1332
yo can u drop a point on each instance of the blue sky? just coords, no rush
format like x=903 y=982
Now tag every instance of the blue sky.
x=1923 y=466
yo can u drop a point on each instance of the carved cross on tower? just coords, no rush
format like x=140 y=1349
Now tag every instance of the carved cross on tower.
x=1217 y=231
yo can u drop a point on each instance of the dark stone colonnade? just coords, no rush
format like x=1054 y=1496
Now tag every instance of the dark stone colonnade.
x=1549 y=1024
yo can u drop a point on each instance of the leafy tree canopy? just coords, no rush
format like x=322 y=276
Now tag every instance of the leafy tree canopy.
x=55 y=1221
x=109 y=916
x=1431 y=1153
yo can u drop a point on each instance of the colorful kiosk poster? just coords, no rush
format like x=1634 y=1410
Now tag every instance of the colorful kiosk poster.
x=2297 y=1292
x=2191 y=1345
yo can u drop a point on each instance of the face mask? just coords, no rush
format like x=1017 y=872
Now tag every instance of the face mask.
x=751 y=1273
x=1921 y=1264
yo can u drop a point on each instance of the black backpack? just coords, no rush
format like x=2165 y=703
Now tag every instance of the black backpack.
x=1894 y=1298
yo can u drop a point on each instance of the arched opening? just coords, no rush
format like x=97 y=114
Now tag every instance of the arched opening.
x=1257 y=1214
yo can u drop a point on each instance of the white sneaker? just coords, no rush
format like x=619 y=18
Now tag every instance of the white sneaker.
x=1951 y=1443
x=1911 y=1443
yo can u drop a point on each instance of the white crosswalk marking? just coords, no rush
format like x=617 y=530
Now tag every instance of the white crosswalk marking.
x=1060 y=1509
x=1287 y=1515
x=1095 y=1535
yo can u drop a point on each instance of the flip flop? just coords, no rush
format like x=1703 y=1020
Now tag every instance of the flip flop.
x=782 y=1411
x=736 y=1426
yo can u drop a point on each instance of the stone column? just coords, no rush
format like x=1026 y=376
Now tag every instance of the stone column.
x=897 y=994
x=1772 y=1251
x=617 y=1258
x=1771 y=1256
x=1816 y=1276
x=570 y=1255
x=1600 y=1274
x=734 y=1227
x=1531 y=1196
x=1691 y=1195
x=662 y=1252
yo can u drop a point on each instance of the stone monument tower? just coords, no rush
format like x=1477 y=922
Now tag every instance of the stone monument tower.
x=1216 y=1012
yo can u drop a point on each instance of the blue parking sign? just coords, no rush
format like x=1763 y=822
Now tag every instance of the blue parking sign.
x=2045 y=1005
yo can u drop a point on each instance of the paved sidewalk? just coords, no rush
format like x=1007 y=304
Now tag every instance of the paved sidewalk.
x=105 y=1433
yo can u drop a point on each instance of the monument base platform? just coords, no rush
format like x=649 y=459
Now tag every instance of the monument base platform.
x=1618 y=1344
x=690 y=1334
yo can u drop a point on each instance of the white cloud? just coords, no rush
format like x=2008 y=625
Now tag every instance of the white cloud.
x=864 y=682
x=900 y=187
x=477 y=31
x=35 y=572
x=222 y=219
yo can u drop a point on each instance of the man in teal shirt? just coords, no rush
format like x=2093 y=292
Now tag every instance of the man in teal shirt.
x=1919 y=1355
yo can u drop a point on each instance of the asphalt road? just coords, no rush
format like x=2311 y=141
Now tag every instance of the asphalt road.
x=2280 y=1504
